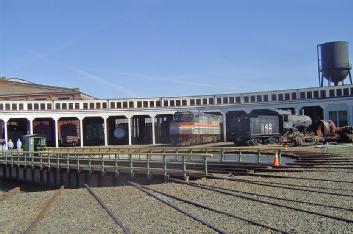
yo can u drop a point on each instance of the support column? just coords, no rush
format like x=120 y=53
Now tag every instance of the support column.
x=5 y=130
x=129 y=127
x=56 y=132
x=153 y=130
x=224 y=126
x=105 y=132
x=81 y=132
x=30 y=126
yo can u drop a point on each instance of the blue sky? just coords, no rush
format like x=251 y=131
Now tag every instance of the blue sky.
x=115 y=48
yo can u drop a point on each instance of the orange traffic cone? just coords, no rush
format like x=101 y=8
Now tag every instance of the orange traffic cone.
x=276 y=161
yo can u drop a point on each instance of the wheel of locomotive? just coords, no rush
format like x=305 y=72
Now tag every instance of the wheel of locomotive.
x=252 y=142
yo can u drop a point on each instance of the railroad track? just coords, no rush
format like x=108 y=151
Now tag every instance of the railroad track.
x=116 y=220
x=279 y=186
x=304 y=186
x=10 y=194
x=223 y=191
x=301 y=178
x=151 y=192
x=44 y=210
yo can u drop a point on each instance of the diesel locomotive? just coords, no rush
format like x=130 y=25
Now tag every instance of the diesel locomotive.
x=191 y=128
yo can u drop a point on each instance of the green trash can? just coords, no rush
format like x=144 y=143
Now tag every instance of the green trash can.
x=34 y=142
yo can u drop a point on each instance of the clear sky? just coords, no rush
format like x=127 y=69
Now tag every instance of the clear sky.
x=131 y=48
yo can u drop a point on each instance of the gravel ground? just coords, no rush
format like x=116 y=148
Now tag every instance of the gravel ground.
x=282 y=218
x=77 y=211
x=18 y=212
x=144 y=214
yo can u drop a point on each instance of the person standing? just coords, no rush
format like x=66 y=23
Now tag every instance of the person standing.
x=19 y=145
x=10 y=145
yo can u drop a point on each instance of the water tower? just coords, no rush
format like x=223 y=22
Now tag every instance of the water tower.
x=333 y=62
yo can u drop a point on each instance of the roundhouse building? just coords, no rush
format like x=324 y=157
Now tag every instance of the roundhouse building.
x=145 y=121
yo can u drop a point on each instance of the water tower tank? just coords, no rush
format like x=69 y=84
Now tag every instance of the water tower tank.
x=334 y=60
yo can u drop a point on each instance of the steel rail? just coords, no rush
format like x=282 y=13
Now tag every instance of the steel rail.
x=44 y=210
x=200 y=205
x=302 y=178
x=10 y=193
x=305 y=186
x=108 y=210
x=275 y=198
x=265 y=202
x=178 y=209
x=278 y=186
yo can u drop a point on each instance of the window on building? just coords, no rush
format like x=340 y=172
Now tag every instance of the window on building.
x=265 y=98
x=332 y=92
x=252 y=98
x=346 y=92
x=57 y=106
x=219 y=100
x=294 y=96
x=1 y=106
x=29 y=106
x=339 y=117
x=112 y=105
x=131 y=104
x=172 y=103
x=309 y=95
x=280 y=97
x=342 y=118
x=139 y=104
x=165 y=103
x=322 y=93
x=231 y=100
x=145 y=104
x=287 y=96
x=259 y=98
x=204 y=101
x=63 y=106
x=302 y=95
x=63 y=98
x=125 y=104
x=274 y=97
x=158 y=103
x=20 y=106
x=118 y=105
x=184 y=102
x=14 y=106
x=246 y=99
x=77 y=106
x=339 y=92
x=211 y=101
x=237 y=99
x=98 y=105
x=91 y=105
x=7 y=106
x=225 y=100
x=198 y=102
x=178 y=102
x=71 y=106
x=151 y=103
x=192 y=102
x=351 y=91
x=85 y=106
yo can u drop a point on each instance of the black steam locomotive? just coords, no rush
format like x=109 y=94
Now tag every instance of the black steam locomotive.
x=269 y=127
